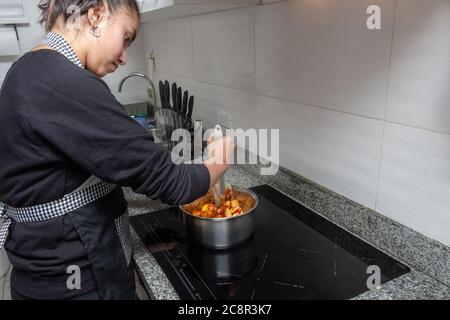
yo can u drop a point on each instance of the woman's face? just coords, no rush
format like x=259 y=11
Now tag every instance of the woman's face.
x=108 y=51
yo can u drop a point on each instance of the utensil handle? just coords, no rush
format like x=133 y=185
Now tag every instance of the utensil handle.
x=221 y=183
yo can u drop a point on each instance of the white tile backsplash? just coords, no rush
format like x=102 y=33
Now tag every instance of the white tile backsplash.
x=321 y=53
x=211 y=100
x=224 y=48
x=171 y=42
x=337 y=150
x=415 y=180
x=348 y=111
x=419 y=92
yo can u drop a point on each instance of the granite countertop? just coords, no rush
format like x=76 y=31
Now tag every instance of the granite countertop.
x=414 y=285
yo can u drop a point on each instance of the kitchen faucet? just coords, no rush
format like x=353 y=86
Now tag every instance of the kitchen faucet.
x=150 y=82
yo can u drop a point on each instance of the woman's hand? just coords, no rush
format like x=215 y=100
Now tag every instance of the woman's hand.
x=220 y=156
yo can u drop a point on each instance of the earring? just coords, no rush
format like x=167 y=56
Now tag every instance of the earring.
x=95 y=31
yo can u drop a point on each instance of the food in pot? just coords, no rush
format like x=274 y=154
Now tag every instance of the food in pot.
x=235 y=203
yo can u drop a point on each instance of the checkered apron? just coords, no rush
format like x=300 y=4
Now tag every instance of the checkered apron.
x=92 y=190
x=53 y=209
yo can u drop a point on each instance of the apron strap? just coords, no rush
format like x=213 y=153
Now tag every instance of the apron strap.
x=53 y=209
x=5 y=225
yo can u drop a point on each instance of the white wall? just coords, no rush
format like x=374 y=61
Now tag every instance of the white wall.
x=134 y=89
x=364 y=113
x=32 y=34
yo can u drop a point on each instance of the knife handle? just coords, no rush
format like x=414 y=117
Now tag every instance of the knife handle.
x=174 y=95
x=178 y=107
x=185 y=103
x=167 y=94
x=161 y=94
x=191 y=106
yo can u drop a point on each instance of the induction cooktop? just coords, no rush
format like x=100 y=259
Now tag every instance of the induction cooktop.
x=294 y=254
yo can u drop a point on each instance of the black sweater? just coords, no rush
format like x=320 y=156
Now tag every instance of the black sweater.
x=59 y=124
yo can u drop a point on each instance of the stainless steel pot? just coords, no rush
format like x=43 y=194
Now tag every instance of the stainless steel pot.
x=221 y=233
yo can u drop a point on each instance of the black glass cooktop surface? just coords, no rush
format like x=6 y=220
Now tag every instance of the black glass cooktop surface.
x=294 y=254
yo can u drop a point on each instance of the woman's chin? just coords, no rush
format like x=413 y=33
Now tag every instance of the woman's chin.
x=102 y=73
x=111 y=69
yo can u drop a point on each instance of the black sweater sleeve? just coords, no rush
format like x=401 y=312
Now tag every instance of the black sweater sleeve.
x=75 y=111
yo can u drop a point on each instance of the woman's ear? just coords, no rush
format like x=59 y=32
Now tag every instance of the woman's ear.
x=97 y=14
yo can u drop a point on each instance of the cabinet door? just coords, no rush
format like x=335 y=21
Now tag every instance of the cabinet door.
x=155 y=10
x=150 y=5
x=270 y=1
x=13 y=11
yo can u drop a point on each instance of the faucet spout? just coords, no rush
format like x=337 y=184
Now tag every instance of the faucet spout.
x=150 y=83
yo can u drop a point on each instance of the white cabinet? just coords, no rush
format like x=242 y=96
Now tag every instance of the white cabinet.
x=13 y=11
x=156 y=10
x=9 y=45
x=270 y=1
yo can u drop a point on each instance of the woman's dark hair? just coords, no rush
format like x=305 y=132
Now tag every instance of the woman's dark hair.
x=53 y=9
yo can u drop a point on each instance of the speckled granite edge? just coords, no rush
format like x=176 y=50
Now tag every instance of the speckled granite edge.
x=403 y=243
x=156 y=282
x=414 y=285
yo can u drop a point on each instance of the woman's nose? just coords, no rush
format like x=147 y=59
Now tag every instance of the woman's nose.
x=123 y=58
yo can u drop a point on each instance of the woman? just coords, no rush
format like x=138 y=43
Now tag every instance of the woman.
x=67 y=146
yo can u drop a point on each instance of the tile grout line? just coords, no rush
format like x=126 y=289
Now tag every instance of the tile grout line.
x=386 y=105
x=191 y=22
x=254 y=48
x=254 y=8
x=311 y=105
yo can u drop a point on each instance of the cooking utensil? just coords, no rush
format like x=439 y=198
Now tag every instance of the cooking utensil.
x=219 y=188
x=222 y=233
